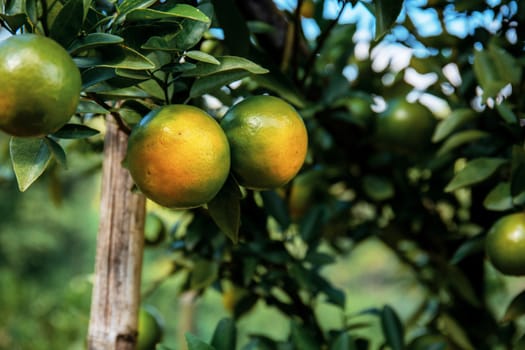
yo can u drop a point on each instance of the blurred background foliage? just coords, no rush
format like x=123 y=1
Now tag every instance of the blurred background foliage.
x=378 y=243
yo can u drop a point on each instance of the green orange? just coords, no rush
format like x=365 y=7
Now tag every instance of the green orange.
x=149 y=328
x=178 y=156
x=268 y=141
x=405 y=126
x=505 y=244
x=39 y=85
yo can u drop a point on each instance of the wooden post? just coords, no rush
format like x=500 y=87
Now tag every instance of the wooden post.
x=116 y=289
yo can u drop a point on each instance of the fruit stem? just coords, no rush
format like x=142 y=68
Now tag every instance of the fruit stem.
x=320 y=43
x=118 y=119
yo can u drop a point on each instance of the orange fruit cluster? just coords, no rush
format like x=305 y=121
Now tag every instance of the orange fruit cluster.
x=180 y=157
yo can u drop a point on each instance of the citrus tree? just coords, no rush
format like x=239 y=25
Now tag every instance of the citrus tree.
x=347 y=147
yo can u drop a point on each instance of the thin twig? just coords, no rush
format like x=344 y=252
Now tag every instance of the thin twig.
x=43 y=19
x=297 y=31
x=320 y=43
x=121 y=124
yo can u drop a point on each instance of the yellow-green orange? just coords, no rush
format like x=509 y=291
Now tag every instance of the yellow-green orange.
x=149 y=329
x=307 y=9
x=405 y=126
x=505 y=244
x=178 y=156
x=268 y=141
x=39 y=85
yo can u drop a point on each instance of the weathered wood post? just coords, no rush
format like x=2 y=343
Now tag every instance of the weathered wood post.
x=116 y=289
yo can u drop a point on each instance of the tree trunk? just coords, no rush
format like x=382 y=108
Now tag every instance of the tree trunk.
x=116 y=289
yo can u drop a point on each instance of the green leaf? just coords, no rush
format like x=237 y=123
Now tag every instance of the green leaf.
x=225 y=335
x=515 y=309
x=129 y=92
x=343 y=342
x=506 y=113
x=276 y=207
x=456 y=119
x=261 y=342
x=311 y=225
x=93 y=40
x=116 y=56
x=499 y=198
x=450 y=327
x=469 y=247
x=334 y=295
x=506 y=65
x=386 y=13
x=477 y=170
x=27 y=8
x=16 y=21
x=304 y=277
x=277 y=82
x=68 y=22
x=202 y=57
x=57 y=151
x=210 y=83
x=203 y=274
x=392 y=328
x=378 y=188
x=126 y=6
x=133 y=74
x=236 y=34
x=187 y=35
x=520 y=343
x=95 y=75
x=130 y=116
x=458 y=281
x=517 y=177
x=177 y=11
x=195 y=343
x=75 y=131
x=225 y=209
x=88 y=106
x=487 y=74
x=227 y=63
x=461 y=138
x=303 y=338
x=30 y=157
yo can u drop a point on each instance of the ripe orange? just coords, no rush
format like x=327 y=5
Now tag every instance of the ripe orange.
x=149 y=328
x=268 y=141
x=405 y=127
x=178 y=156
x=39 y=85
x=505 y=244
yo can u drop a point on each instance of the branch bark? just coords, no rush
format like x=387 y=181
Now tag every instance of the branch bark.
x=120 y=242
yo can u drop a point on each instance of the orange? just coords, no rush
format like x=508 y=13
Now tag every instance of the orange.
x=505 y=244
x=178 y=156
x=307 y=9
x=304 y=191
x=39 y=85
x=268 y=141
x=405 y=126
x=149 y=328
